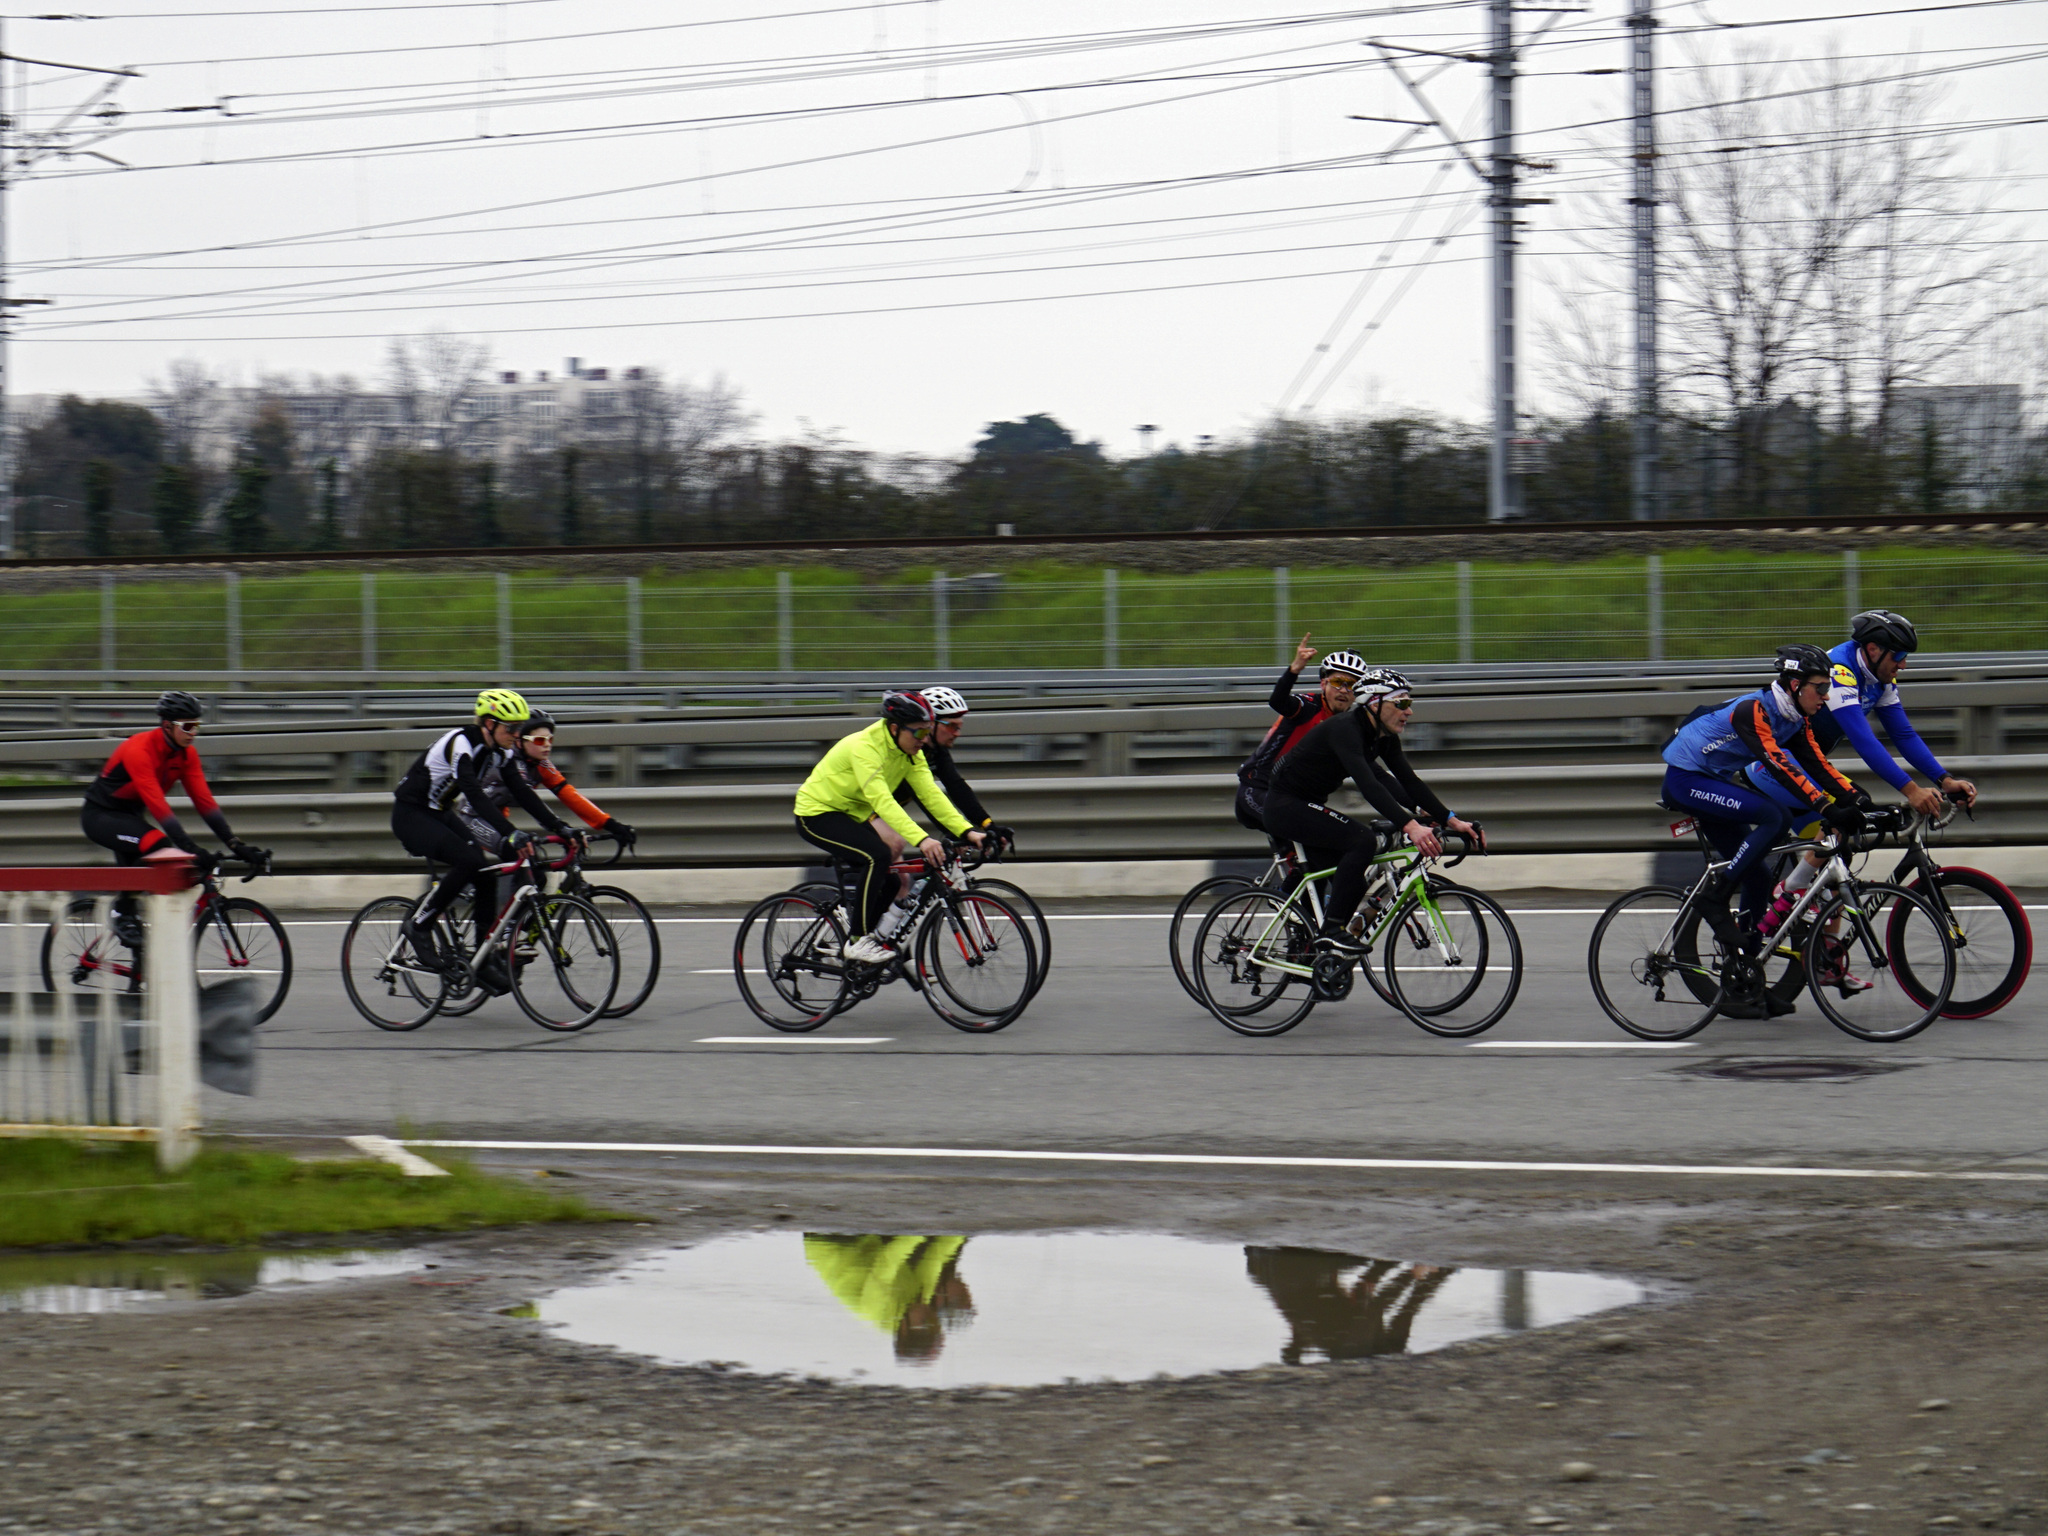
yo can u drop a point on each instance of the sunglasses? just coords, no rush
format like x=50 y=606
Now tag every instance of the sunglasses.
x=541 y=739
x=1401 y=704
x=918 y=732
x=190 y=727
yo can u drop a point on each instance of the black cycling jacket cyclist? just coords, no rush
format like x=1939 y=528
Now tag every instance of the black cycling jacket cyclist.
x=423 y=811
x=1347 y=746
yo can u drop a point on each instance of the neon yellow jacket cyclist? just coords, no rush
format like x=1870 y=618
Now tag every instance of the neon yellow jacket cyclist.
x=859 y=778
x=881 y=1278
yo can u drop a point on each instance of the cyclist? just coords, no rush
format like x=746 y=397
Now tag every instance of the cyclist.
x=135 y=783
x=951 y=709
x=1747 y=770
x=1355 y=745
x=856 y=780
x=423 y=807
x=1299 y=714
x=533 y=764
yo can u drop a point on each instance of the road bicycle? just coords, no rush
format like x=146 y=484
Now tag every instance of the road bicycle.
x=233 y=936
x=631 y=923
x=554 y=953
x=1013 y=895
x=1194 y=906
x=1993 y=940
x=1450 y=958
x=1874 y=956
x=972 y=955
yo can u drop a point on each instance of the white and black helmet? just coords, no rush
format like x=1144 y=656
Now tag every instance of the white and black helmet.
x=1379 y=683
x=945 y=702
x=1342 y=661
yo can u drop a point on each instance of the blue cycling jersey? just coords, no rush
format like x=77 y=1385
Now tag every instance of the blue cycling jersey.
x=1762 y=732
x=1854 y=693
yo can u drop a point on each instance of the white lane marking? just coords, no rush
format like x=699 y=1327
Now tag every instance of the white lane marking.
x=1209 y=1160
x=796 y=1039
x=385 y=1150
x=1578 y=1045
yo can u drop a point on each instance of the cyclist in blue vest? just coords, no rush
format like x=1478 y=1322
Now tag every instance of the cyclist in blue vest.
x=1863 y=679
x=1747 y=770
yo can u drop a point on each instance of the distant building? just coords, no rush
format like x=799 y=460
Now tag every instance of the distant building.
x=1980 y=431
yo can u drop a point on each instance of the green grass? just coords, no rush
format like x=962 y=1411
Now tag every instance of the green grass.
x=1715 y=604
x=55 y=1191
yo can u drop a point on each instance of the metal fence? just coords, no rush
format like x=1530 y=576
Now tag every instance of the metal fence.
x=93 y=1059
x=1627 y=608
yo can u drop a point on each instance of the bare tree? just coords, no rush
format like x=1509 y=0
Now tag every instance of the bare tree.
x=195 y=405
x=437 y=381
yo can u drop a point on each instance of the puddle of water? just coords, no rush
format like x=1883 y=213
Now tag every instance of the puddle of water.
x=120 y=1282
x=1027 y=1310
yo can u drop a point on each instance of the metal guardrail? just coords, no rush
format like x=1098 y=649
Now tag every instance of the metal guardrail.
x=1570 y=809
x=1097 y=739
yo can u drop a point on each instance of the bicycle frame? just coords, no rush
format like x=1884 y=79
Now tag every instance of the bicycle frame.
x=1386 y=885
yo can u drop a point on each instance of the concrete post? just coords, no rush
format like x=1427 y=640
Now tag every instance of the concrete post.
x=1109 y=619
x=785 y=623
x=174 y=1011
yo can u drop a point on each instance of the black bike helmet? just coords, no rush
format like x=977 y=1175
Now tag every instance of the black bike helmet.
x=908 y=709
x=538 y=720
x=176 y=704
x=1880 y=626
x=1797 y=663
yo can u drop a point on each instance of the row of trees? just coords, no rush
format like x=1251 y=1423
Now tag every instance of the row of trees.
x=97 y=479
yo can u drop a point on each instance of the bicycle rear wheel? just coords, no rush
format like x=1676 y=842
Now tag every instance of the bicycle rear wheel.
x=639 y=945
x=81 y=952
x=240 y=937
x=1188 y=916
x=976 y=961
x=1239 y=950
x=1453 y=961
x=564 y=963
x=1887 y=974
x=1646 y=968
x=1041 y=931
x=1994 y=942
x=786 y=961
x=388 y=983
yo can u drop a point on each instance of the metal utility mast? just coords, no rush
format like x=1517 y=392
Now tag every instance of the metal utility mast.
x=20 y=154
x=1503 y=486
x=1644 y=501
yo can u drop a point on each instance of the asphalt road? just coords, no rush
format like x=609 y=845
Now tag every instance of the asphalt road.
x=1112 y=1056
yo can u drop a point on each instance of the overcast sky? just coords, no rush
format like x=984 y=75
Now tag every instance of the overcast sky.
x=895 y=221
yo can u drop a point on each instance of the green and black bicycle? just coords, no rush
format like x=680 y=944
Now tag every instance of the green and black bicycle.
x=1447 y=957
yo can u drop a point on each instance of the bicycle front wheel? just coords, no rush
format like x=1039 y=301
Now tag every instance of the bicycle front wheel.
x=240 y=937
x=1187 y=918
x=786 y=961
x=1252 y=948
x=564 y=963
x=976 y=961
x=1993 y=940
x=1879 y=962
x=388 y=983
x=1646 y=968
x=639 y=946
x=1453 y=961
x=1041 y=931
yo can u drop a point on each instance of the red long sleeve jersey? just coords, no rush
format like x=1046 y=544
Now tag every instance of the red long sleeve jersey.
x=141 y=773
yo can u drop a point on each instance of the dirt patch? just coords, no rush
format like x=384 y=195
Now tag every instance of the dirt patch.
x=1817 y=1359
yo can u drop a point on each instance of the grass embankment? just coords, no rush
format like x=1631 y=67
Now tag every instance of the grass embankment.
x=54 y=1191
x=1714 y=604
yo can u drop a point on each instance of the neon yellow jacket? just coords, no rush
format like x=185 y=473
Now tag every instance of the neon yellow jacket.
x=858 y=778
x=878 y=1278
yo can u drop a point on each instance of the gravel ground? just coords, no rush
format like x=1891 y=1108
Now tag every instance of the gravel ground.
x=1843 y=1357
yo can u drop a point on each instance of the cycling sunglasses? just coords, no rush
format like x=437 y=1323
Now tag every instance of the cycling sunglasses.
x=540 y=738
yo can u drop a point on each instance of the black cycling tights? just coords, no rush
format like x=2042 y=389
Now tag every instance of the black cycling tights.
x=432 y=836
x=1330 y=837
x=863 y=858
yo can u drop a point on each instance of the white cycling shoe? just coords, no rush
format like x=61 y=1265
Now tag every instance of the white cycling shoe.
x=868 y=950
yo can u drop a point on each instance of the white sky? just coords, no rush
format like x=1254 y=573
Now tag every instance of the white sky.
x=1169 y=200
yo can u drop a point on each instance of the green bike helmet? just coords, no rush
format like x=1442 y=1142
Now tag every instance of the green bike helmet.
x=502 y=704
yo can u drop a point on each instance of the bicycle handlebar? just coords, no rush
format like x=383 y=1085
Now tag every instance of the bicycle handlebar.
x=620 y=847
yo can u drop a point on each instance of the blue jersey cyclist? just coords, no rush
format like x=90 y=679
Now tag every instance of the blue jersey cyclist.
x=1863 y=679
x=1749 y=769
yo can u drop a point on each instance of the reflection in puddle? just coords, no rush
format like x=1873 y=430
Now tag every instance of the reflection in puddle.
x=1047 y=1307
x=118 y=1282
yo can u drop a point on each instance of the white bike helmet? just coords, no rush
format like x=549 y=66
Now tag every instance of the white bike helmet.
x=1379 y=683
x=1342 y=661
x=945 y=703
